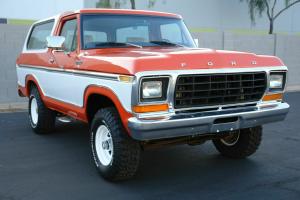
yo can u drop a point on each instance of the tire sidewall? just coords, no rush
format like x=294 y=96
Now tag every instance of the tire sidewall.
x=104 y=169
x=33 y=125
x=46 y=117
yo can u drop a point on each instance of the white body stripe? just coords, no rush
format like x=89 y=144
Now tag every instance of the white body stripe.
x=70 y=88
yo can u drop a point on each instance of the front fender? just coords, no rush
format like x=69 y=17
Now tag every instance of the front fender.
x=104 y=91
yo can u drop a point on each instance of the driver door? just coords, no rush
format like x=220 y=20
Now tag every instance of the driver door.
x=67 y=59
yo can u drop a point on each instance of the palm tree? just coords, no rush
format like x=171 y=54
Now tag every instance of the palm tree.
x=260 y=6
x=132 y=4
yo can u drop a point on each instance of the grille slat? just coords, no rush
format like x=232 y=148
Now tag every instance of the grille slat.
x=218 y=89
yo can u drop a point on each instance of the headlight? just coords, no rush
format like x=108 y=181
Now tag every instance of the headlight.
x=277 y=81
x=154 y=89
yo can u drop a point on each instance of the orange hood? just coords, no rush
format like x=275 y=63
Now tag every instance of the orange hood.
x=132 y=60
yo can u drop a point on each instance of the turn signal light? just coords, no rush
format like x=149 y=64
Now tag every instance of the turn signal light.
x=150 y=108
x=273 y=97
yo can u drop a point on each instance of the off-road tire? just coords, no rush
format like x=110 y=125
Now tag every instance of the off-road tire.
x=46 y=117
x=246 y=145
x=126 y=151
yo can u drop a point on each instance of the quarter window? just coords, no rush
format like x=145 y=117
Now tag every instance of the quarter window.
x=39 y=33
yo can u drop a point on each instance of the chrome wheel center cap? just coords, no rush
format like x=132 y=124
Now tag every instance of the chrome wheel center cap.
x=105 y=145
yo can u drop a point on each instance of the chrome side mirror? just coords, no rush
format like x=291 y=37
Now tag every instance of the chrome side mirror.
x=196 y=41
x=56 y=42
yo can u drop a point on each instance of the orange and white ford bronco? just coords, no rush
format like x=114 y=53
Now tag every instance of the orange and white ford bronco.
x=139 y=80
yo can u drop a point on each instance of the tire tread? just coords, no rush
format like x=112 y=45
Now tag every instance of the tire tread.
x=126 y=151
x=247 y=145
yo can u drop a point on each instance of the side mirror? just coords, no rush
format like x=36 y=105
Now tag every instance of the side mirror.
x=56 y=42
x=196 y=41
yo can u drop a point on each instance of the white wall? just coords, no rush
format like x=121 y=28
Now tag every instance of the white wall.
x=225 y=14
x=36 y=9
x=221 y=15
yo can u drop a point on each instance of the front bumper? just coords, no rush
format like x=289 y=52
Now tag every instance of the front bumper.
x=190 y=124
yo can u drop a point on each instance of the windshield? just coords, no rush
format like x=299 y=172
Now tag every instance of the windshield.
x=106 y=31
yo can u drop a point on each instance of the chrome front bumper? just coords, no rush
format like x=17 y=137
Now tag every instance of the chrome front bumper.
x=190 y=124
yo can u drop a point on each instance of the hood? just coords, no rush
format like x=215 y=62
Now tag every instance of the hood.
x=132 y=60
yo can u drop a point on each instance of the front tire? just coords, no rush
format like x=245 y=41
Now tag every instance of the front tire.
x=41 y=118
x=240 y=144
x=115 y=154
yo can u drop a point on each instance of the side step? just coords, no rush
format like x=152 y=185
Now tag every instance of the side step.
x=65 y=119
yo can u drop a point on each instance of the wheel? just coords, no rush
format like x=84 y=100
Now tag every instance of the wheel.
x=115 y=154
x=42 y=119
x=241 y=143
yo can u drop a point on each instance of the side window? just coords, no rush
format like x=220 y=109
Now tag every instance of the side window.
x=39 y=33
x=171 y=32
x=133 y=34
x=69 y=31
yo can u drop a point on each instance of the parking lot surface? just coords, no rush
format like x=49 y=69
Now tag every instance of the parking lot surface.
x=59 y=166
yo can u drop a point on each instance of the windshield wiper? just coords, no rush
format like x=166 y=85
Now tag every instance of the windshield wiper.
x=115 y=44
x=162 y=42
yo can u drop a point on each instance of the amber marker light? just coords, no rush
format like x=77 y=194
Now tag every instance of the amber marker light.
x=150 y=108
x=273 y=97
x=126 y=79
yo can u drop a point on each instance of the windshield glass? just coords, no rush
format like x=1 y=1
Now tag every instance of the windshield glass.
x=106 y=31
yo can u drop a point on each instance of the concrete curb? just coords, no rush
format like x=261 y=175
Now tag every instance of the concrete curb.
x=17 y=107
x=13 y=107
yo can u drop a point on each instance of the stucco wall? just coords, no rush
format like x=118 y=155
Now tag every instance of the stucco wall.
x=11 y=42
x=221 y=15
x=287 y=47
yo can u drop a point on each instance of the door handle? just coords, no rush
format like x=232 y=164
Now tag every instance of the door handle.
x=78 y=62
x=51 y=60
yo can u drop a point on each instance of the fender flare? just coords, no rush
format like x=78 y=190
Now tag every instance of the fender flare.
x=107 y=92
x=31 y=78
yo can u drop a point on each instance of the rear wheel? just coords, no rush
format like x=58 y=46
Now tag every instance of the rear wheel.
x=42 y=119
x=241 y=143
x=116 y=155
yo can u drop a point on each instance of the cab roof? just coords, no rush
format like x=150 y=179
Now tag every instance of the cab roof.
x=122 y=11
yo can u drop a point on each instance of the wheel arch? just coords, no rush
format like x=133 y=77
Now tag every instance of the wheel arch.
x=94 y=94
x=31 y=81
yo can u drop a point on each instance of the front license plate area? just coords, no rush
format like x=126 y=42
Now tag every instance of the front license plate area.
x=225 y=124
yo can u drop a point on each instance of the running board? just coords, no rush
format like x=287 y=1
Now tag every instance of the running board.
x=65 y=119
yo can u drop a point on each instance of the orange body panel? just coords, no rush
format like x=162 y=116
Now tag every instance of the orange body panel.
x=133 y=60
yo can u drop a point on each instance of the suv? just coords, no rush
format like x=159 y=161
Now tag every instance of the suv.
x=138 y=79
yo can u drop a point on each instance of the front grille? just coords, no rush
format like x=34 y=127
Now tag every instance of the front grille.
x=219 y=89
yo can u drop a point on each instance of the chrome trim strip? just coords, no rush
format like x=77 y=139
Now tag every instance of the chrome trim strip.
x=210 y=71
x=70 y=88
x=99 y=75
x=219 y=107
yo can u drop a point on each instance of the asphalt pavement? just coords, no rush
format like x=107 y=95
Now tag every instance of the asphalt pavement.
x=59 y=166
